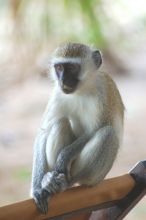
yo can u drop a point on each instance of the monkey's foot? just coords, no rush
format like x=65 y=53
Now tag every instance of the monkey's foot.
x=41 y=199
x=54 y=182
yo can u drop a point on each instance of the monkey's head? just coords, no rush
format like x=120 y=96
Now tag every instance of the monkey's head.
x=74 y=64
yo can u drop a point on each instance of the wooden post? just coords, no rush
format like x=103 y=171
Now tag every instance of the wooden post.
x=74 y=201
x=123 y=206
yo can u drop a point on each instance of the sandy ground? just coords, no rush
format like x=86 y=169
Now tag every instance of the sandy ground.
x=21 y=109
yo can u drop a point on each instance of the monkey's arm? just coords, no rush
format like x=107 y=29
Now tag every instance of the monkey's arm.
x=57 y=180
x=39 y=166
x=86 y=161
x=54 y=135
x=96 y=158
x=92 y=158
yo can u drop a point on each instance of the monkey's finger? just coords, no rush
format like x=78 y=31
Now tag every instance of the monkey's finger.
x=45 y=196
x=41 y=203
x=44 y=206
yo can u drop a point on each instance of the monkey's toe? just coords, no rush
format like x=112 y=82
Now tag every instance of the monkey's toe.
x=54 y=182
x=41 y=199
x=61 y=179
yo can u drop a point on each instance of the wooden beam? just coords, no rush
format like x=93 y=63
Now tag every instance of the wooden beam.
x=74 y=200
x=124 y=206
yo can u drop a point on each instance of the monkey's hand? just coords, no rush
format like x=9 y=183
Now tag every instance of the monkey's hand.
x=54 y=182
x=41 y=198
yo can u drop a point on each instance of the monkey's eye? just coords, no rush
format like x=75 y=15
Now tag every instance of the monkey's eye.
x=59 y=68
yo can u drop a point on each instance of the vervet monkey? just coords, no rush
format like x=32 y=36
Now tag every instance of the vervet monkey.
x=82 y=126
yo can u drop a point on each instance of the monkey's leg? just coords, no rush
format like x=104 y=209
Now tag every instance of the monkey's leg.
x=83 y=161
x=60 y=136
x=96 y=158
x=59 y=179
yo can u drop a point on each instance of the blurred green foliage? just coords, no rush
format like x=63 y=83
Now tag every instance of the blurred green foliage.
x=90 y=12
x=22 y=174
x=87 y=21
x=36 y=27
x=58 y=20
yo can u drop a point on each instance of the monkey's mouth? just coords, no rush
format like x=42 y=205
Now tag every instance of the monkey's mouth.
x=67 y=89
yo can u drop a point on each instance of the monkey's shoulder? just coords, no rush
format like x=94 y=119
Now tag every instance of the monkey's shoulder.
x=106 y=80
x=112 y=94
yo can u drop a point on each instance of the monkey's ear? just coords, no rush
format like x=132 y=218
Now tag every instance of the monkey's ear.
x=96 y=55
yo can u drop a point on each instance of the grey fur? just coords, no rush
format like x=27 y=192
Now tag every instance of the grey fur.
x=80 y=134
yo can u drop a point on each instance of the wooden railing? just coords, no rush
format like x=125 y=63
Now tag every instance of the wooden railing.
x=114 y=198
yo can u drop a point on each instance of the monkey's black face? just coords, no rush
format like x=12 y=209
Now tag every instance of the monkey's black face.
x=68 y=76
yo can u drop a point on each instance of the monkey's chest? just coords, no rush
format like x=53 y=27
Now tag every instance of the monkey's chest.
x=82 y=124
x=85 y=118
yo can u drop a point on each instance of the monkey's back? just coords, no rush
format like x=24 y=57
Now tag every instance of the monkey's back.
x=113 y=97
x=113 y=107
